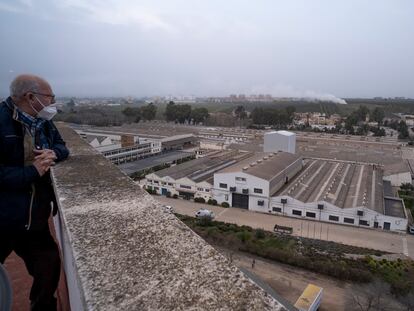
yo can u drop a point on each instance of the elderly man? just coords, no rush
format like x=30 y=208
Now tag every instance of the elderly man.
x=29 y=145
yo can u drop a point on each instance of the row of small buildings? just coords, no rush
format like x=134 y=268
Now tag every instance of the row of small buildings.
x=129 y=147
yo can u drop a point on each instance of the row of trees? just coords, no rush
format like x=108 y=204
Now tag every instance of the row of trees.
x=361 y=114
x=136 y=114
x=185 y=113
x=279 y=118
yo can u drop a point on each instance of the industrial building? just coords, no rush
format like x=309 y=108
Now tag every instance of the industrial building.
x=279 y=141
x=250 y=183
x=122 y=148
x=342 y=192
x=179 y=142
x=192 y=179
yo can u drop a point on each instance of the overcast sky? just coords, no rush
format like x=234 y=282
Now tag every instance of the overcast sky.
x=211 y=47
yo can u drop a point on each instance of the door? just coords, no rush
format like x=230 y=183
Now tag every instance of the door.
x=164 y=191
x=240 y=200
x=387 y=226
x=375 y=224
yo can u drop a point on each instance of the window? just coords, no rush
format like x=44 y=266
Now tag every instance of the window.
x=258 y=190
x=310 y=214
x=156 y=182
x=348 y=220
x=260 y=202
x=185 y=187
x=240 y=179
x=277 y=209
x=296 y=212
x=149 y=180
x=170 y=184
x=363 y=222
x=223 y=186
x=199 y=189
x=207 y=190
x=333 y=218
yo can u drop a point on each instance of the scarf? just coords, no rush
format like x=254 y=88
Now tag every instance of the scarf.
x=34 y=126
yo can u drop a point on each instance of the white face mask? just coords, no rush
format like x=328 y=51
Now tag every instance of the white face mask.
x=47 y=113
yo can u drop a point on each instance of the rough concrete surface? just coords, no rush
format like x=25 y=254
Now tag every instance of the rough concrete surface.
x=131 y=255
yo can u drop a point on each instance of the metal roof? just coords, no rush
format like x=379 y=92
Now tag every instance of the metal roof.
x=265 y=165
x=394 y=207
x=203 y=168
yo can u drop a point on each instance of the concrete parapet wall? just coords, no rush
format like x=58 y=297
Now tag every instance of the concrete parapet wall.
x=123 y=252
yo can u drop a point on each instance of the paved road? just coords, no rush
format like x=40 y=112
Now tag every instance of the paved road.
x=385 y=241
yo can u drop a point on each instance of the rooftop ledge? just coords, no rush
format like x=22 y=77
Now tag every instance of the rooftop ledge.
x=122 y=252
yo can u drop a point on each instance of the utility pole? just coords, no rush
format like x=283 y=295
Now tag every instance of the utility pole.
x=314 y=230
x=320 y=235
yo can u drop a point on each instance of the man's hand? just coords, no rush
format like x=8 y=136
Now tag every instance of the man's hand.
x=43 y=160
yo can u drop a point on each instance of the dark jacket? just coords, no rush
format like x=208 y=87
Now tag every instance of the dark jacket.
x=16 y=179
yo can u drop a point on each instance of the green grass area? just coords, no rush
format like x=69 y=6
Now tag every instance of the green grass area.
x=408 y=197
x=315 y=255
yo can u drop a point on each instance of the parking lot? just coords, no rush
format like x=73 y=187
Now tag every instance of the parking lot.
x=380 y=240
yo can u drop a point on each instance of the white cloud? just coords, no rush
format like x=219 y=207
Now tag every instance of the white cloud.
x=10 y=7
x=283 y=90
x=118 y=13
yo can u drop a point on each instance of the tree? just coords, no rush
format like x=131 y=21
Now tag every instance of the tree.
x=199 y=114
x=373 y=296
x=378 y=115
x=240 y=112
x=70 y=104
x=148 y=112
x=182 y=113
x=132 y=114
x=361 y=113
x=403 y=129
x=170 y=111
x=290 y=110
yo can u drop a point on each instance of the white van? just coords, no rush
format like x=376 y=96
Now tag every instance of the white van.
x=204 y=213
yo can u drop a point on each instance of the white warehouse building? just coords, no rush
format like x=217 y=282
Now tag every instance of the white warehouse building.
x=279 y=141
x=250 y=183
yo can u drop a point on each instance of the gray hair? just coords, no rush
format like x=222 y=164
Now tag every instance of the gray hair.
x=21 y=86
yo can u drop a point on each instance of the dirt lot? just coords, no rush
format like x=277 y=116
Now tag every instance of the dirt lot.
x=289 y=282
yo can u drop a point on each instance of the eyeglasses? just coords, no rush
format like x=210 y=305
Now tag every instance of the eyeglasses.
x=47 y=95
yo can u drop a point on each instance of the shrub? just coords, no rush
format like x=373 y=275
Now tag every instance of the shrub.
x=150 y=191
x=244 y=236
x=211 y=231
x=225 y=204
x=260 y=234
x=204 y=221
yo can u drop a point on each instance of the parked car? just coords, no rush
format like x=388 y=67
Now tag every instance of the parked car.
x=411 y=229
x=168 y=208
x=204 y=213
